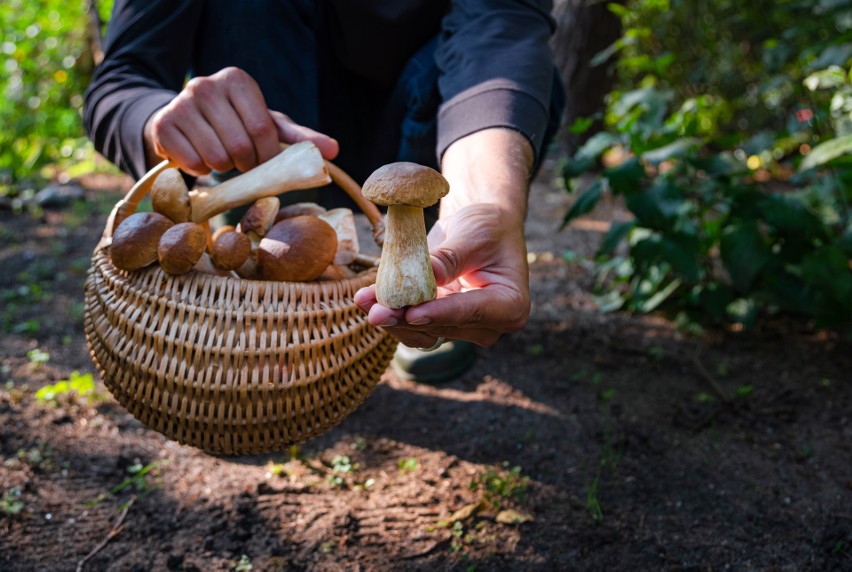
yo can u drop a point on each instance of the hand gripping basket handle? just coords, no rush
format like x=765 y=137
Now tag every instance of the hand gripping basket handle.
x=127 y=206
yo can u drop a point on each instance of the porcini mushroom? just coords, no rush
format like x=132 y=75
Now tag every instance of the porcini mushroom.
x=170 y=196
x=299 y=166
x=255 y=223
x=296 y=249
x=343 y=222
x=181 y=246
x=405 y=276
x=134 y=242
x=222 y=230
x=299 y=209
x=230 y=250
x=260 y=217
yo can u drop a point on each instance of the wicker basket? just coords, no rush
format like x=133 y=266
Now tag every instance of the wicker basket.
x=227 y=365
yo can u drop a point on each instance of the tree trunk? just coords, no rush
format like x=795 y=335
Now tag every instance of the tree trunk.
x=584 y=28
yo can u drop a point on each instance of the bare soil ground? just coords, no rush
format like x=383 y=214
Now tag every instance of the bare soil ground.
x=587 y=441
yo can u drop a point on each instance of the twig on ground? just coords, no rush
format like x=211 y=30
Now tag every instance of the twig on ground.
x=705 y=375
x=116 y=529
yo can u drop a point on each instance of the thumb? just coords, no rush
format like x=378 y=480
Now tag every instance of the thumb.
x=290 y=132
x=448 y=262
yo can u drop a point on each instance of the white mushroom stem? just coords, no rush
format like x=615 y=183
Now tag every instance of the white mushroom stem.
x=299 y=166
x=405 y=276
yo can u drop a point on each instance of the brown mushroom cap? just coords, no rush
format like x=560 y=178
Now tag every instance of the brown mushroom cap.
x=296 y=249
x=222 y=230
x=170 y=196
x=181 y=246
x=260 y=217
x=405 y=183
x=230 y=250
x=299 y=209
x=134 y=242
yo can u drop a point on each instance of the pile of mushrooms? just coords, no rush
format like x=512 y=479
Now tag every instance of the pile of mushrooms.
x=300 y=242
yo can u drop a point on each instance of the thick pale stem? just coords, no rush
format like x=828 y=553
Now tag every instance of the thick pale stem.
x=299 y=166
x=405 y=276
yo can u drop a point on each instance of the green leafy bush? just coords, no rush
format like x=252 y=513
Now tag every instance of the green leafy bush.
x=732 y=151
x=45 y=65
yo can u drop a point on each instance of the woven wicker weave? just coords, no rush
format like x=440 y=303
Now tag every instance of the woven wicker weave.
x=227 y=365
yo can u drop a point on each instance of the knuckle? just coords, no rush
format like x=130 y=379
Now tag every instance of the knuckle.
x=200 y=86
x=219 y=162
x=260 y=128
x=449 y=258
x=241 y=148
x=232 y=73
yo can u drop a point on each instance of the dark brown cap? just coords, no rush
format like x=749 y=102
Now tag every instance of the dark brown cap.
x=296 y=249
x=181 y=246
x=134 y=242
x=407 y=184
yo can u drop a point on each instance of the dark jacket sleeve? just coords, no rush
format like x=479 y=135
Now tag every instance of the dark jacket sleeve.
x=496 y=69
x=147 y=54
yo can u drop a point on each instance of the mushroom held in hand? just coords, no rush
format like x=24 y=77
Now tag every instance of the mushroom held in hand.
x=296 y=249
x=170 y=196
x=181 y=246
x=134 y=242
x=405 y=276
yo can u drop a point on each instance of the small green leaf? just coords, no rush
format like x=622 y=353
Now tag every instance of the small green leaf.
x=626 y=177
x=617 y=232
x=657 y=206
x=829 y=78
x=680 y=250
x=597 y=144
x=674 y=149
x=744 y=253
x=825 y=152
x=585 y=202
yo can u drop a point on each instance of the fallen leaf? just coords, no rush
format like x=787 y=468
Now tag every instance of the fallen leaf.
x=510 y=516
x=465 y=512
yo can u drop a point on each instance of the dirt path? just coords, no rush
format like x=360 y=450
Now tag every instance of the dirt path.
x=623 y=443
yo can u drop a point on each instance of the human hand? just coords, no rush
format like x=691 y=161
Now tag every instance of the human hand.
x=480 y=265
x=221 y=122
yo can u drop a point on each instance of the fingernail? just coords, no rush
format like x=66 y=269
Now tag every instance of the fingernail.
x=421 y=321
x=389 y=322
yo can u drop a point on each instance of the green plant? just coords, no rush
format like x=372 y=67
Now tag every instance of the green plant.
x=500 y=484
x=142 y=481
x=11 y=502
x=77 y=384
x=734 y=165
x=341 y=465
x=244 y=564
x=408 y=465
x=38 y=357
x=47 y=61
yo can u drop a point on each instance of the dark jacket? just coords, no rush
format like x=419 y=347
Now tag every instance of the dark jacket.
x=338 y=66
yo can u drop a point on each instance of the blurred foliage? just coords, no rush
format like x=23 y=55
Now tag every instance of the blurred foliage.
x=46 y=63
x=729 y=138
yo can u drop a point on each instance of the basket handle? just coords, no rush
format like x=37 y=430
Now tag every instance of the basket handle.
x=127 y=206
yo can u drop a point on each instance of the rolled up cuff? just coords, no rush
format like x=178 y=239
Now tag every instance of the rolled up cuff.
x=486 y=106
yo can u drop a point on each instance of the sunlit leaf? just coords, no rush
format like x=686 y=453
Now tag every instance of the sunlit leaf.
x=825 y=152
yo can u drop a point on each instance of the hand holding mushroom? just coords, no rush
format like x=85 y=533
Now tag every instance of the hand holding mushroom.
x=477 y=247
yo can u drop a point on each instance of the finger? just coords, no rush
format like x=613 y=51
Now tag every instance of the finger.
x=385 y=317
x=498 y=308
x=171 y=143
x=290 y=132
x=249 y=104
x=229 y=128
x=204 y=138
x=418 y=338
